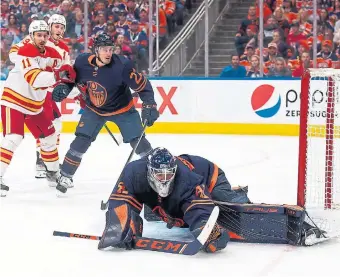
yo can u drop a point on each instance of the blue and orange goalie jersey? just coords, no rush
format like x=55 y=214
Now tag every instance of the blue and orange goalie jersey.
x=203 y=167
x=187 y=205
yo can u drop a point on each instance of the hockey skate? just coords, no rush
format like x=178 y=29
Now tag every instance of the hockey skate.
x=52 y=177
x=312 y=235
x=40 y=168
x=63 y=183
x=3 y=188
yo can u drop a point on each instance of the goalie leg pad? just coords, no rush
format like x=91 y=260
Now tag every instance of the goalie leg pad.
x=122 y=226
x=262 y=223
x=149 y=215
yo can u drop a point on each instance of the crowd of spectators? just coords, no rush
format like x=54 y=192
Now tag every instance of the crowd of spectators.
x=127 y=21
x=287 y=39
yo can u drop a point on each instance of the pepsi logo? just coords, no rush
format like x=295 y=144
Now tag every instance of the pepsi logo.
x=265 y=101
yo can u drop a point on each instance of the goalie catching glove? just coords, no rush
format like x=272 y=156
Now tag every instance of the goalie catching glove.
x=217 y=240
x=122 y=228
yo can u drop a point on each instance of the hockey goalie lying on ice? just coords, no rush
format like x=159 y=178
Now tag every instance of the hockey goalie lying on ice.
x=183 y=191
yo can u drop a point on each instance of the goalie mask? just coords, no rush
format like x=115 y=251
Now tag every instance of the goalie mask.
x=161 y=171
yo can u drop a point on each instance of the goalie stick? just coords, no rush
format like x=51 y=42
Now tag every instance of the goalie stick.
x=103 y=206
x=161 y=245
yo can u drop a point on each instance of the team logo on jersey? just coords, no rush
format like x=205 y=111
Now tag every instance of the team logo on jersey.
x=97 y=93
x=200 y=192
x=266 y=101
x=122 y=189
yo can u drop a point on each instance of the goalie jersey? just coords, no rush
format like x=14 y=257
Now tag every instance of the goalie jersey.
x=187 y=205
x=201 y=166
x=27 y=83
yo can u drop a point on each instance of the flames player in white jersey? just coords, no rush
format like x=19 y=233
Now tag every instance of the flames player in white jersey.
x=57 y=27
x=37 y=68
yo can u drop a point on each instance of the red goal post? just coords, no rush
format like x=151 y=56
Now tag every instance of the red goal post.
x=319 y=141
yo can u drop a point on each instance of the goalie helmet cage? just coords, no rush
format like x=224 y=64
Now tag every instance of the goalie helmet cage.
x=319 y=140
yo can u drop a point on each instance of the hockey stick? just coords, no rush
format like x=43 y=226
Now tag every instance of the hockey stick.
x=103 y=206
x=111 y=135
x=161 y=245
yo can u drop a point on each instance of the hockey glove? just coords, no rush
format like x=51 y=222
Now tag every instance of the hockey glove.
x=82 y=88
x=60 y=92
x=217 y=240
x=149 y=113
x=81 y=98
x=65 y=74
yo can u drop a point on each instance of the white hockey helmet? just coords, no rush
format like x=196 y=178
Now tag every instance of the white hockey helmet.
x=38 y=26
x=57 y=19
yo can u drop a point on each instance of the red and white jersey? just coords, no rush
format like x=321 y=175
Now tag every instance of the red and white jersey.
x=13 y=52
x=62 y=49
x=28 y=82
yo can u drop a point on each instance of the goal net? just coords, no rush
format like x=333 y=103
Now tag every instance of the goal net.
x=319 y=145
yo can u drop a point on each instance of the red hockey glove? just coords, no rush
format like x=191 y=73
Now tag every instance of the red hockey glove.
x=80 y=101
x=82 y=88
x=65 y=74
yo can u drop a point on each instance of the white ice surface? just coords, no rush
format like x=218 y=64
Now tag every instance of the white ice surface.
x=31 y=211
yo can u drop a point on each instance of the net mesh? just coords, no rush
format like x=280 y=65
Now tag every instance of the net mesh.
x=322 y=180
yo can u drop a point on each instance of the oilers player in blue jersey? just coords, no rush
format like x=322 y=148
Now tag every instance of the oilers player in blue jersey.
x=104 y=80
x=183 y=191
x=171 y=189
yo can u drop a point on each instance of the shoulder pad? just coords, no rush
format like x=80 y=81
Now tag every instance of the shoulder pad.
x=27 y=39
x=52 y=53
x=83 y=58
x=136 y=165
x=63 y=46
x=28 y=50
x=121 y=58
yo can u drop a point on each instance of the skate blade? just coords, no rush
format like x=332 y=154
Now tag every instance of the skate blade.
x=4 y=190
x=61 y=191
x=60 y=194
x=313 y=240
